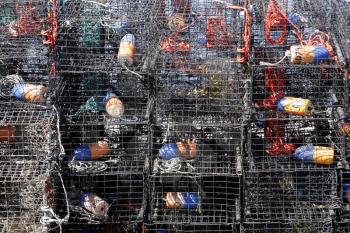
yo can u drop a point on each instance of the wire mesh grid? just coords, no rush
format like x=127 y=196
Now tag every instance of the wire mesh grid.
x=22 y=43
x=98 y=99
x=341 y=27
x=294 y=108
x=279 y=24
x=23 y=192
x=191 y=228
x=101 y=199
x=28 y=133
x=305 y=227
x=290 y=196
x=181 y=149
x=106 y=36
x=194 y=199
x=107 y=149
x=196 y=35
x=220 y=97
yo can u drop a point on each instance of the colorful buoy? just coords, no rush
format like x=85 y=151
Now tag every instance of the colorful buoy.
x=94 y=204
x=186 y=150
x=113 y=105
x=29 y=92
x=127 y=50
x=308 y=54
x=176 y=200
x=92 y=151
x=294 y=106
x=317 y=154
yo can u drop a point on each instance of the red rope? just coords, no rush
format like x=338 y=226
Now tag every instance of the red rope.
x=51 y=35
x=276 y=19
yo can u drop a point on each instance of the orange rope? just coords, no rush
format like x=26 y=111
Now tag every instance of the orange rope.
x=51 y=35
x=277 y=19
x=243 y=55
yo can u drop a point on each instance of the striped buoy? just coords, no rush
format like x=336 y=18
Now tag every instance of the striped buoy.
x=176 y=200
x=92 y=151
x=317 y=154
x=113 y=105
x=294 y=106
x=188 y=150
x=29 y=92
x=308 y=54
x=94 y=204
x=127 y=50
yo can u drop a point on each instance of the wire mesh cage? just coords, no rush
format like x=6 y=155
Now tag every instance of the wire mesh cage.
x=199 y=75
x=195 y=34
x=24 y=43
x=107 y=149
x=293 y=29
x=101 y=199
x=290 y=196
x=209 y=97
x=194 y=199
x=106 y=36
x=98 y=99
x=305 y=227
x=295 y=110
x=25 y=190
x=181 y=149
x=341 y=28
x=28 y=133
x=193 y=228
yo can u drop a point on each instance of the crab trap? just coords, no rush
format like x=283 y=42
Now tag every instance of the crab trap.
x=97 y=99
x=293 y=32
x=107 y=36
x=191 y=228
x=297 y=111
x=187 y=149
x=197 y=35
x=27 y=196
x=220 y=98
x=341 y=27
x=107 y=149
x=26 y=31
x=290 y=197
x=342 y=227
x=194 y=199
x=101 y=200
x=28 y=133
x=304 y=227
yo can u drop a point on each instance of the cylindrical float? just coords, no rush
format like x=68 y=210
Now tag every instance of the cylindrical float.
x=94 y=204
x=186 y=150
x=317 y=154
x=127 y=50
x=29 y=92
x=346 y=192
x=113 y=105
x=308 y=54
x=7 y=133
x=294 y=106
x=92 y=151
x=186 y=200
